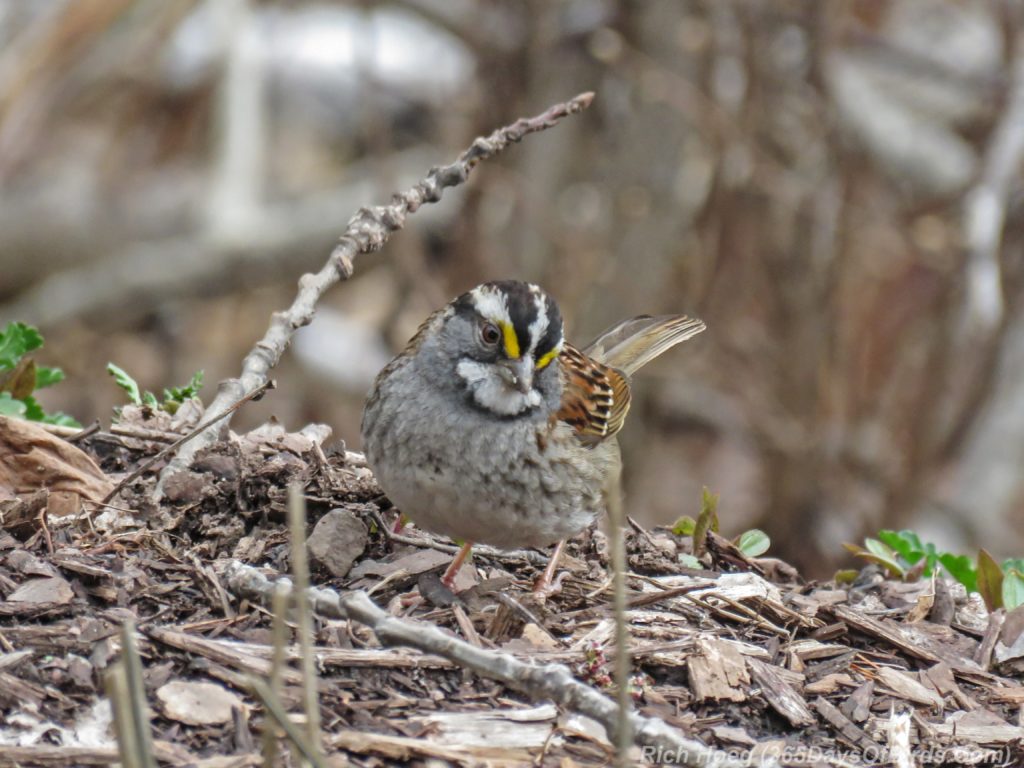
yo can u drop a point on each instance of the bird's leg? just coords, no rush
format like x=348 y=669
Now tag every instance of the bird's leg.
x=546 y=585
x=453 y=570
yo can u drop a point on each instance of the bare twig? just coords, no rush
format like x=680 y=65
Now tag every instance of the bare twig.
x=539 y=681
x=254 y=394
x=622 y=661
x=304 y=615
x=366 y=232
x=279 y=634
x=277 y=711
x=985 y=207
x=128 y=698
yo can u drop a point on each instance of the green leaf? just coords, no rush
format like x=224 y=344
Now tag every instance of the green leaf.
x=689 y=561
x=61 y=419
x=990 y=580
x=1013 y=564
x=961 y=568
x=125 y=382
x=709 y=504
x=887 y=561
x=148 y=398
x=754 y=542
x=846 y=576
x=11 y=407
x=1013 y=589
x=16 y=341
x=190 y=390
x=905 y=543
x=684 y=526
x=33 y=410
x=886 y=556
x=47 y=377
x=876 y=547
x=706 y=520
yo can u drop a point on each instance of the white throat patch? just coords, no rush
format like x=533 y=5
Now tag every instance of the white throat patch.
x=491 y=392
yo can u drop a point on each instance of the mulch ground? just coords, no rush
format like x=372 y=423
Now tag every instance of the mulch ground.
x=743 y=655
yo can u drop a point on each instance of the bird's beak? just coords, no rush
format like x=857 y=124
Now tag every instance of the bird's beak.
x=518 y=374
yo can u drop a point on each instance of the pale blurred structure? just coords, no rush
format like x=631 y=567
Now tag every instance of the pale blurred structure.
x=833 y=187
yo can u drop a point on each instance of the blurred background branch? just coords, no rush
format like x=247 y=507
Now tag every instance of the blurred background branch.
x=833 y=187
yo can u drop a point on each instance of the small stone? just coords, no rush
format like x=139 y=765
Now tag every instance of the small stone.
x=337 y=540
x=197 y=703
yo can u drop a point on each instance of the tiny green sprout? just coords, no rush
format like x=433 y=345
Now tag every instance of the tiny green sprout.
x=20 y=377
x=172 y=397
x=684 y=526
x=752 y=543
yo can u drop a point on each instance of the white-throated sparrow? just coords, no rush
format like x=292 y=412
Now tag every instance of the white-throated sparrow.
x=489 y=427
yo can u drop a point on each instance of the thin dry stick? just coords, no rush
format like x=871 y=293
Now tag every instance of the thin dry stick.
x=257 y=392
x=136 y=693
x=622 y=660
x=128 y=698
x=554 y=682
x=279 y=638
x=116 y=684
x=300 y=572
x=272 y=704
x=366 y=232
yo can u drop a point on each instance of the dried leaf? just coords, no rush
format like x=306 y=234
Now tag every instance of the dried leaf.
x=990 y=580
x=31 y=458
x=21 y=381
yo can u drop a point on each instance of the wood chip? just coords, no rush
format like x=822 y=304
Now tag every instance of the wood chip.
x=402 y=748
x=857 y=705
x=782 y=697
x=809 y=650
x=979 y=727
x=907 y=687
x=55 y=591
x=414 y=563
x=526 y=728
x=717 y=671
x=848 y=730
x=893 y=634
x=983 y=655
x=829 y=684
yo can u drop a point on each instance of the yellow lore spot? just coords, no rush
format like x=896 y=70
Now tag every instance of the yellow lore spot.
x=546 y=359
x=511 y=341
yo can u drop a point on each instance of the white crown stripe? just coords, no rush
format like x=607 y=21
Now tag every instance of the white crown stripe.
x=539 y=326
x=491 y=304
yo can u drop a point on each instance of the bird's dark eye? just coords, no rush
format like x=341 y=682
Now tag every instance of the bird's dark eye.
x=490 y=334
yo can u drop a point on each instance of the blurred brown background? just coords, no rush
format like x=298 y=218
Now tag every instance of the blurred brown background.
x=833 y=187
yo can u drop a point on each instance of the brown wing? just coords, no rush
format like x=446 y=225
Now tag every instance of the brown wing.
x=595 y=398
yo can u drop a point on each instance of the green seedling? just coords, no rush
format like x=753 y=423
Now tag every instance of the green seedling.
x=20 y=377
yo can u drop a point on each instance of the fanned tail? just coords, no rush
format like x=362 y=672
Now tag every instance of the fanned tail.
x=633 y=343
